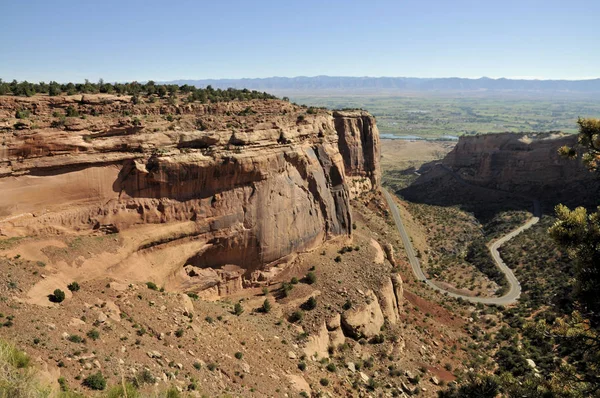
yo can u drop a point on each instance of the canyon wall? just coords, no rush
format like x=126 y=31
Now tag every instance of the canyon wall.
x=526 y=163
x=253 y=182
x=502 y=167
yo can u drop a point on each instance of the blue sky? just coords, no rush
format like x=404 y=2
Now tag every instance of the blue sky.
x=125 y=40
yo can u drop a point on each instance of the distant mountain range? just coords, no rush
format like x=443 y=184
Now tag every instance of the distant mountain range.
x=399 y=84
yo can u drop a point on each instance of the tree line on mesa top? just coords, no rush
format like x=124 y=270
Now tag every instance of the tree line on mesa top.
x=148 y=89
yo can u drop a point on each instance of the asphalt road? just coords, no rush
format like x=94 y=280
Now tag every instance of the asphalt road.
x=514 y=290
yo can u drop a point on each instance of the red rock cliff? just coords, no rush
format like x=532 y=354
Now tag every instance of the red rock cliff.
x=253 y=182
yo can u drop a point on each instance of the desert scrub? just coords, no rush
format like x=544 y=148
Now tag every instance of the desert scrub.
x=266 y=306
x=238 y=309
x=296 y=316
x=73 y=338
x=310 y=278
x=95 y=381
x=152 y=286
x=93 y=334
x=73 y=286
x=309 y=304
x=58 y=296
x=127 y=390
x=17 y=379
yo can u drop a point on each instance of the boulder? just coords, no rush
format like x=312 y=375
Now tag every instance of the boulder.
x=398 y=289
x=318 y=344
x=364 y=320
x=337 y=338
x=389 y=304
x=334 y=322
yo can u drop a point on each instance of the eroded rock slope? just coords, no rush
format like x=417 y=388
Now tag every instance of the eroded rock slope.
x=251 y=183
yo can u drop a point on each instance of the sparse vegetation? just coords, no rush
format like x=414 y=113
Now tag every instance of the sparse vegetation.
x=310 y=278
x=296 y=317
x=93 y=334
x=95 y=381
x=238 y=309
x=58 y=296
x=309 y=304
x=266 y=306
x=73 y=286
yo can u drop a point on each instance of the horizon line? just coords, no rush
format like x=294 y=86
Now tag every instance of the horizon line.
x=530 y=78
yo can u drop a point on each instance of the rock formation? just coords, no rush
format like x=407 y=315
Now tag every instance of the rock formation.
x=249 y=183
x=365 y=320
x=390 y=298
x=527 y=163
x=516 y=165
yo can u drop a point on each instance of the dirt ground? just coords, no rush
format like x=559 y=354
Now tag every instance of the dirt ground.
x=124 y=329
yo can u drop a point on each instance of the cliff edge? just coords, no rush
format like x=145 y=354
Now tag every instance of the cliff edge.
x=230 y=188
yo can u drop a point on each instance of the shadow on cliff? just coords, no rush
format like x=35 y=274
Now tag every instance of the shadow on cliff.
x=440 y=186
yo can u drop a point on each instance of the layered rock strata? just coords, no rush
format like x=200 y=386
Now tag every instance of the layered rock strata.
x=253 y=182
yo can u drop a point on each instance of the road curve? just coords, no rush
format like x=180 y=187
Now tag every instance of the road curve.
x=514 y=290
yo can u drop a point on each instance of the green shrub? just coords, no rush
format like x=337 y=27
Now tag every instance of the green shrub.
x=193 y=296
x=172 y=393
x=309 y=304
x=239 y=355
x=296 y=316
x=294 y=281
x=129 y=391
x=331 y=367
x=74 y=286
x=179 y=332
x=95 y=381
x=93 y=334
x=266 y=306
x=324 y=382
x=58 y=296
x=302 y=366
x=286 y=288
x=71 y=111
x=73 y=338
x=62 y=382
x=151 y=286
x=143 y=377
x=238 y=309
x=22 y=114
x=310 y=278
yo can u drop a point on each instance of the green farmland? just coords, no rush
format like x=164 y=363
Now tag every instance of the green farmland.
x=437 y=116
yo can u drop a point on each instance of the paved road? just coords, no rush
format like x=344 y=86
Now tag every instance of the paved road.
x=514 y=290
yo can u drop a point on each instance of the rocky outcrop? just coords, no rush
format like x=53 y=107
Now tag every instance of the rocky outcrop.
x=359 y=146
x=318 y=344
x=390 y=298
x=252 y=182
x=503 y=169
x=364 y=320
x=389 y=305
x=526 y=163
x=398 y=289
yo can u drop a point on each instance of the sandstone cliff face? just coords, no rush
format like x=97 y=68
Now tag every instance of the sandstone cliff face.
x=523 y=163
x=359 y=146
x=253 y=182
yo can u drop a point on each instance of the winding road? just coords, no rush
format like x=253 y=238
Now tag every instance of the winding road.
x=514 y=290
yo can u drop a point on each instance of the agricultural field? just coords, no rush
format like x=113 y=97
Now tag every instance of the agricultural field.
x=437 y=116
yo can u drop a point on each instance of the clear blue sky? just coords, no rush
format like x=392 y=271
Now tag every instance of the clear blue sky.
x=70 y=40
